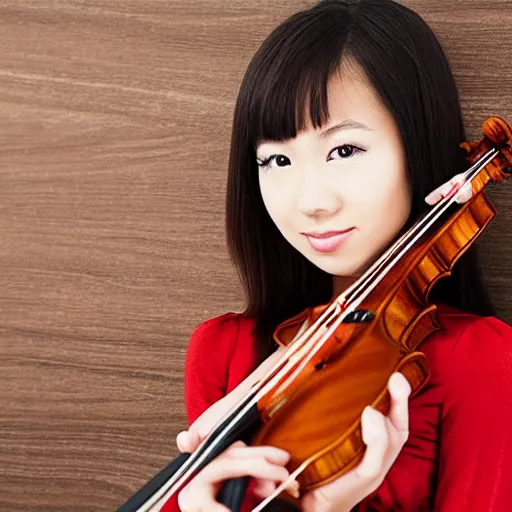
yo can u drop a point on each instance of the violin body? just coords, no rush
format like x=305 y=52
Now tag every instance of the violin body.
x=320 y=423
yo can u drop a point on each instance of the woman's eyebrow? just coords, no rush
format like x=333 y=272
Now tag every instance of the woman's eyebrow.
x=348 y=124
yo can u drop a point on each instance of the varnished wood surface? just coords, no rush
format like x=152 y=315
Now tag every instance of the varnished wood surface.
x=115 y=121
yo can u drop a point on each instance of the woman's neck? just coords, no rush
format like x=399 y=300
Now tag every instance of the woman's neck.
x=340 y=284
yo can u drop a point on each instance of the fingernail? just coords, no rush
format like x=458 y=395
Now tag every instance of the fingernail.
x=182 y=440
x=371 y=422
x=371 y=414
x=284 y=456
x=293 y=489
x=464 y=194
x=399 y=386
x=429 y=198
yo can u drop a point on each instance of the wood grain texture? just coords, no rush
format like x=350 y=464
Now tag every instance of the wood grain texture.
x=115 y=126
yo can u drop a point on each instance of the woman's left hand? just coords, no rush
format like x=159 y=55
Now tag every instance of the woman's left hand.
x=464 y=194
x=384 y=438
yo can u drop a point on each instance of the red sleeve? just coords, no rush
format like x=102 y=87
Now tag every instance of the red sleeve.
x=207 y=363
x=207 y=370
x=475 y=460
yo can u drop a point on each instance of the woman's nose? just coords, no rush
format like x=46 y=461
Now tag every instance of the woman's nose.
x=317 y=196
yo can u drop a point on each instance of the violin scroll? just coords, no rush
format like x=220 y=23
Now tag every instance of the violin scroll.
x=498 y=135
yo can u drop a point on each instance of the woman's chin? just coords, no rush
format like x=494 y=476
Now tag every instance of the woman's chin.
x=346 y=271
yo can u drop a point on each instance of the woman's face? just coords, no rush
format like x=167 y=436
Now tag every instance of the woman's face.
x=339 y=194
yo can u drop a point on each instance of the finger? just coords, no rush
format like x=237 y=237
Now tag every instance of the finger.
x=262 y=488
x=199 y=494
x=224 y=468
x=465 y=194
x=187 y=441
x=442 y=191
x=270 y=453
x=368 y=474
x=190 y=501
x=434 y=197
x=400 y=390
x=438 y=194
x=376 y=438
x=293 y=489
x=211 y=417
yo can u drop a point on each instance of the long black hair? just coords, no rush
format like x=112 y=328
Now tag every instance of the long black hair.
x=405 y=64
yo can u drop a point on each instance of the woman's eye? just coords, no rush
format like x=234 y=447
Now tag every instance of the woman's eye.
x=274 y=161
x=343 y=152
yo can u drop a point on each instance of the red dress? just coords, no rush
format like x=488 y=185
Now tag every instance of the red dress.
x=458 y=457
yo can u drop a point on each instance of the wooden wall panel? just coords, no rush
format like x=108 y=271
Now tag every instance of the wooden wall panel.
x=115 y=123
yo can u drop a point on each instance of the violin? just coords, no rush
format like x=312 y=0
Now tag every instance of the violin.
x=339 y=356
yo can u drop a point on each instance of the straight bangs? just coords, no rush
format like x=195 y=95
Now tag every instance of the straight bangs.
x=289 y=75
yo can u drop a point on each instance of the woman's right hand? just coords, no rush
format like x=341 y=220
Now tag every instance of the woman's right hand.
x=265 y=464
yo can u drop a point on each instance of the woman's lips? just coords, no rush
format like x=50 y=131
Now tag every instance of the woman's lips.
x=329 y=241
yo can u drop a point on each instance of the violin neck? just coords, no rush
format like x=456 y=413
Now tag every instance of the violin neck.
x=421 y=229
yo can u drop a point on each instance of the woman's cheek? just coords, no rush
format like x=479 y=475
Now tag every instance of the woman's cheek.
x=382 y=213
x=269 y=196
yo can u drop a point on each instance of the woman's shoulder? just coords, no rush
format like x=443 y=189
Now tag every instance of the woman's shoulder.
x=220 y=354
x=461 y=329
x=470 y=349
x=221 y=331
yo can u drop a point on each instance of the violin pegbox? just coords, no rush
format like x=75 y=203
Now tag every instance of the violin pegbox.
x=497 y=134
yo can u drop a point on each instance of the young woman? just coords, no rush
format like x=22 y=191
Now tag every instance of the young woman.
x=347 y=119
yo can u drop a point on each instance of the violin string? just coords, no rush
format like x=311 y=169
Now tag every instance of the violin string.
x=357 y=294
x=420 y=229
x=264 y=385
x=168 y=489
x=415 y=234
x=202 y=452
x=199 y=455
x=282 y=487
x=381 y=266
x=408 y=241
x=308 y=351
